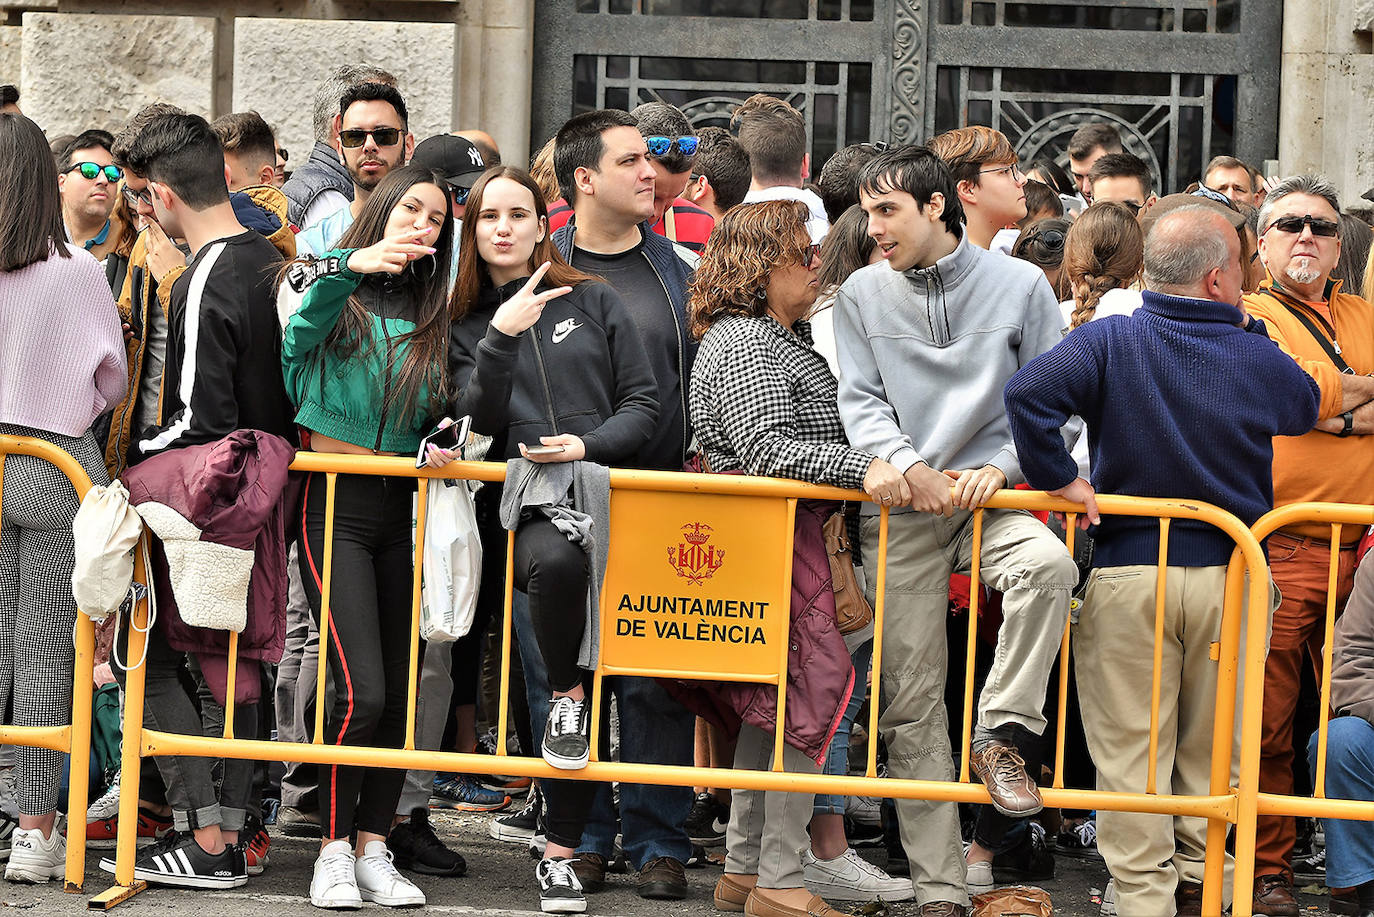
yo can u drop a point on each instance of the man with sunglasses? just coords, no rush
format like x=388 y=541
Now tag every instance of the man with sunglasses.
x=989 y=181
x=1330 y=332
x=672 y=144
x=373 y=139
x=88 y=179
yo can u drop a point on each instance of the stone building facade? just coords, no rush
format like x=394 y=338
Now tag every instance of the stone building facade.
x=1282 y=83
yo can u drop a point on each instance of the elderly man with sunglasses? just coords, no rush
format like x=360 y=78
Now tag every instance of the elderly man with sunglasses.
x=1330 y=332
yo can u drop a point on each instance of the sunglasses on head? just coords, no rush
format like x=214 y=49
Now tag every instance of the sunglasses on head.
x=1295 y=224
x=1049 y=239
x=353 y=138
x=90 y=170
x=660 y=146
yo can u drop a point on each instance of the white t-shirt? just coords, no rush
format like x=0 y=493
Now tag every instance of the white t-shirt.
x=818 y=226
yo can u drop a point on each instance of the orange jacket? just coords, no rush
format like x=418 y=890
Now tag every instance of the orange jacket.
x=1317 y=466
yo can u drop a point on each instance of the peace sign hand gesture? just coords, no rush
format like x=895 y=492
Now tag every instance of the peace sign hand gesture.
x=392 y=254
x=523 y=309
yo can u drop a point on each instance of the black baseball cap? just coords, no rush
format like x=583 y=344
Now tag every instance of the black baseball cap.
x=455 y=158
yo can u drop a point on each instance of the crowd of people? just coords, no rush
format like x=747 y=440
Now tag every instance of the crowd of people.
x=928 y=324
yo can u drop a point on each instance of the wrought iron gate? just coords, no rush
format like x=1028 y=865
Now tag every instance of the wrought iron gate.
x=1183 y=80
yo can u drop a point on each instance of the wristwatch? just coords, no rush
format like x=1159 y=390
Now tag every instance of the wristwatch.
x=1349 y=418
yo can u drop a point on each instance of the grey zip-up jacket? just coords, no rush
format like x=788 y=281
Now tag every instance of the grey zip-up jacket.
x=925 y=354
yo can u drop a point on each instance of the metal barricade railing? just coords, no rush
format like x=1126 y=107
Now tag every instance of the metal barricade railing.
x=651 y=499
x=1340 y=517
x=73 y=739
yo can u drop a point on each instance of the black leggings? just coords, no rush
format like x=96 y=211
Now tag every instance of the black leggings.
x=369 y=638
x=555 y=574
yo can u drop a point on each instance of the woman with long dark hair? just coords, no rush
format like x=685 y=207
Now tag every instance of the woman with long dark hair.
x=522 y=319
x=364 y=356
x=64 y=367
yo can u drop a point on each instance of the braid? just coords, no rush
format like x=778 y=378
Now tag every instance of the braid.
x=1088 y=290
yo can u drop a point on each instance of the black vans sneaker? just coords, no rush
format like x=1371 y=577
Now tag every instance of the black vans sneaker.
x=518 y=827
x=179 y=861
x=559 y=890
x=414 y=845
x=565 y=734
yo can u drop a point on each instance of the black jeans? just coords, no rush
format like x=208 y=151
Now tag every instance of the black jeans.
x=369 y=638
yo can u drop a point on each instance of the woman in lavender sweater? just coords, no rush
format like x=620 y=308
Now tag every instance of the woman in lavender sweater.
x=63 y=366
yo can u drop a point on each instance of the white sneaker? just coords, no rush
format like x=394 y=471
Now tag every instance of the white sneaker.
x=979 y=879
x=380 y=882
x=333 y=885
x=849 y=877
x=107 y=806
x=35 y=858
x=866 y=810
x=1108 y=908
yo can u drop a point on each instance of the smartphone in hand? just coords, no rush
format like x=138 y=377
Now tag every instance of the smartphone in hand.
x=545 y=450
x=453 y=436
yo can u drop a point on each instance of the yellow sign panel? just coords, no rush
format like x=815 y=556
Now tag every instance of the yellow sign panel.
x=695 y=584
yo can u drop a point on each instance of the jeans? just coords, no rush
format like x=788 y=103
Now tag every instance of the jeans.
x=167 y=707
x=1349 y=775
x=653 y=728
x=837 y=758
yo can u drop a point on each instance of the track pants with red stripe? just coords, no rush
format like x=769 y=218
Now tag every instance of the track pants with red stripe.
x=368 y=638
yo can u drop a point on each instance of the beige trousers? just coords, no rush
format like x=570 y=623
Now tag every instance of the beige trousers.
x=1148 y=855
x=767 y=831
x=1032 y=568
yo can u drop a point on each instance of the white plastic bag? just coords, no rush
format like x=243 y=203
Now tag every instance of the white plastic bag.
x=452 y=563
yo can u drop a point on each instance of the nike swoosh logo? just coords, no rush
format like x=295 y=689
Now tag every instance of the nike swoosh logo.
x=563 y=329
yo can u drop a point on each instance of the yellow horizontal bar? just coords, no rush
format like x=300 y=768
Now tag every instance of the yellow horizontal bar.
x=1308 y=513
x=750 y=677
x=54 y=738
x=1354 y=809
x=162 y=743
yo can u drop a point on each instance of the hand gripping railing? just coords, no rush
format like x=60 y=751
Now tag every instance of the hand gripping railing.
x=645 y=502
x=74 y=739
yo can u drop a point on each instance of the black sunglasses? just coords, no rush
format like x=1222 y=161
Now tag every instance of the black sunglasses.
x=1050 y=239
x=135 y=197
x=459 y=194
x=89 y=171
x=353 y=138
x=1319 y=227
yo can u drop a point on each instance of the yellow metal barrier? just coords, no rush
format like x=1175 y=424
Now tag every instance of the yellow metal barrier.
x=1337 y=516
x=75 y=739
x=688 y=509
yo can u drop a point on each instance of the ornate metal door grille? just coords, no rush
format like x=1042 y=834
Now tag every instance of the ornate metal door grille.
x=1182 y=80
x=706 y=56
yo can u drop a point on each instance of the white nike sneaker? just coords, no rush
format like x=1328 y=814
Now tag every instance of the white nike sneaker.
x=379 y=881
x=107 y=806
x=35 y=858
x=333 y=885
x=849 y=877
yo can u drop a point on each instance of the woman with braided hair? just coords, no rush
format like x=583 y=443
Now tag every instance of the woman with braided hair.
x=1103 y=255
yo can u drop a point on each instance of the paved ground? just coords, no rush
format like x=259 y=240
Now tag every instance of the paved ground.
x=500 y=881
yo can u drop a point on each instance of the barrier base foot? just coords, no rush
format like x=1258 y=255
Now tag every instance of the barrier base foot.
x=73 y=888
x=114 y=895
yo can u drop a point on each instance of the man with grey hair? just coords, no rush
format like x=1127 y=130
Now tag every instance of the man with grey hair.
x=322 y=185
x=1330 y=333
x=1133 y=380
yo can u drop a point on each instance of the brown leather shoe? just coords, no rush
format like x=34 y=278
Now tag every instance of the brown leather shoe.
x=733 y=890
x=1274 y=896
x=942 y=909
x=1188 y=899
x=662 y=879
x=591 y=872
x=762 y=904
x=1003 y=772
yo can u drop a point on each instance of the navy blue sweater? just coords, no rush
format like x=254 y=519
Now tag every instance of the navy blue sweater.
x=1179 y=402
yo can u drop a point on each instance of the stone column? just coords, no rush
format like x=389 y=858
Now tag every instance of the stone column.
x=496 y=62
